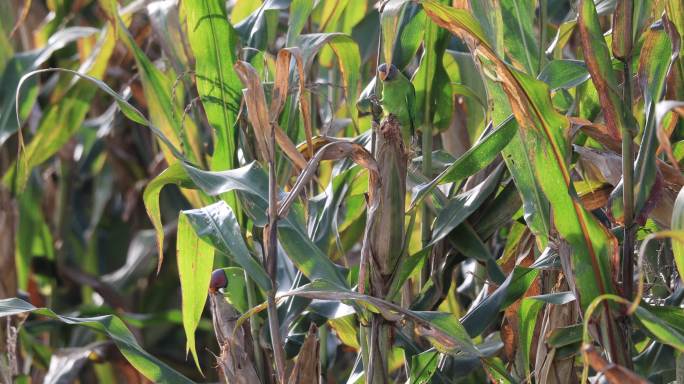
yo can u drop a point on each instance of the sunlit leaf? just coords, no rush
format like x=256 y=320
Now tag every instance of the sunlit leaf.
x=174 y=174
x=218 y=85
x=217 y=225
x=163 y=112
x=252 y=180
x=25 y=62
x=195 y=261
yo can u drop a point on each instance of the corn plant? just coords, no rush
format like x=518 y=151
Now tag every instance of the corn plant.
x=342 y=191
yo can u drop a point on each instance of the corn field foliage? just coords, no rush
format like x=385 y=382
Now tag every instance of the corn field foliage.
x=341 y=191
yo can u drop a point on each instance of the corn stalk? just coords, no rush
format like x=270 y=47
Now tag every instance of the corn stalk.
x=384 y=239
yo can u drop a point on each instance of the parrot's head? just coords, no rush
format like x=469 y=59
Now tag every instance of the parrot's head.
x=387 y=72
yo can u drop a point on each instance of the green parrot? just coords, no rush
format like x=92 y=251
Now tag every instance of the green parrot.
x=398 y=99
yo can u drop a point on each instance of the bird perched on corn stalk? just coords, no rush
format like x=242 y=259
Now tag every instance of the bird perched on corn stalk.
x=384 y=237
x=398 y=99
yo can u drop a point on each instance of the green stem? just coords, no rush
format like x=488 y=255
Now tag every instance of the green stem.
x=427 y=171
x=627 y=267
x=380 y=349
x=272 y=265
x=426 y=142
x=426 y=215
x=277 y=342
x=628 y=189
x=364 y=337
x=323 y=343
x=254 y=328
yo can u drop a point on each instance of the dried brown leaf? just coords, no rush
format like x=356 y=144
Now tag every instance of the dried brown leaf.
x=234 y=363
x=615 y=374
x=262 y=121
x=22 y=17
x=304 y=108
x=663 y=134
x=255 y=99
x=333 y=150
x=597 y=57
x=288 y=147
x=510 y=325
x=307 y=368
x=282 y=83
x=282 y=88
x=598 y=132
x=550 y=368
x=600 y=165
x=9 y=221
x=597 y=198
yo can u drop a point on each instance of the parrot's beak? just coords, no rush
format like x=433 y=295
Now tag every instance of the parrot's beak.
x=383 y=74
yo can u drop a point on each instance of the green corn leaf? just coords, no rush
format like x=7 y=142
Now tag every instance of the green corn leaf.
x=675 y=13
x=431 y=82
x=664 y=323
x=536 y=207
x=467 y=241
x=474 y=160
x=564 y=74
x=411 y=34
x=485 y=312
x=258 y=29
x=157 y=87
x=151 y=367
x=174 y=174
x=218 y=85
x=252 y=180
x=300 y=10
x=489 y=17
x=443 y=330
x=565 y=336
x=217 y=225
x=544 y=128
x=195 y=263
x=23 y=63
x=460 y=207
x=236 y=289
x=390 y=23
x=515 y=154
x=423 y=366
x=64 y=118
x=132 y=113
x=519 y=36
